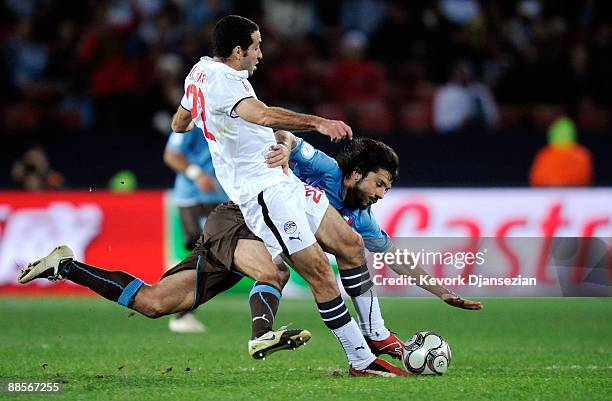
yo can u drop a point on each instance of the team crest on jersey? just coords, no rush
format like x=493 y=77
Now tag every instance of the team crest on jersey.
x=308 y=151
x=233 y=77
x=290 y=227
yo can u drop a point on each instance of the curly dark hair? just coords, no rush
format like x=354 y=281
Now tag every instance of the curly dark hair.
x=231 y=31
x=364 y=155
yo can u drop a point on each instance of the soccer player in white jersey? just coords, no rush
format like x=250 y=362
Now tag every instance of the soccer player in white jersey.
x=290 y=218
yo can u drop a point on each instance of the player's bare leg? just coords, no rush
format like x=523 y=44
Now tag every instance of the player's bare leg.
x=339 y=239
x=172 y=294
x=312 y=264
x=253 y=259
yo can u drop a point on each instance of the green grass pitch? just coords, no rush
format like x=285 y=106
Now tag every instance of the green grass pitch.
x=514 y=349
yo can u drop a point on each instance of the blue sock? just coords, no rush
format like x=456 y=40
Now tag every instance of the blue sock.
x=116 y=286
x=263 y=299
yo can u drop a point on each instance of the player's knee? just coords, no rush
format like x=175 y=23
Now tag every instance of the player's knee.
x=273 y=277
x=351 y=252
x=323 y=285
x=321 y=275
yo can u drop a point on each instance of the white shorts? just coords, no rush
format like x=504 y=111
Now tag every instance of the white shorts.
x=286 y=216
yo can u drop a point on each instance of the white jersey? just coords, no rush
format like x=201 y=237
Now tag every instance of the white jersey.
x=238 y=147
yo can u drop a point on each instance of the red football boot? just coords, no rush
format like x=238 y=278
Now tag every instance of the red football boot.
x=380 y=367
x=391 y=346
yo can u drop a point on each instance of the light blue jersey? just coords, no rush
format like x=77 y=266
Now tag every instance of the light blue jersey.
x=319 y=170
x=193 y=146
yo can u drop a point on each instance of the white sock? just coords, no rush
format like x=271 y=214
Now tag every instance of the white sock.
x=359 y=286
x=356 y=349
x=371 y=321
x=336 y=316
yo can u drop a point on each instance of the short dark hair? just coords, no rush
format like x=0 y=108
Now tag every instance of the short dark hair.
x=231 y=31
x=364 y=155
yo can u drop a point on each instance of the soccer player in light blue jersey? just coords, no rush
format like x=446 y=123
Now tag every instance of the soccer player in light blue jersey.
x=360 y=176
x=352 y=193
x=196 y=193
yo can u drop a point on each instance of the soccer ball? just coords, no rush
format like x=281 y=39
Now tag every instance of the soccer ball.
x=426 y=353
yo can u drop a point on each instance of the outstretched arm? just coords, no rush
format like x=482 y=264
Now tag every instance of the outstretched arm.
x=448 y=296
x=257 y=112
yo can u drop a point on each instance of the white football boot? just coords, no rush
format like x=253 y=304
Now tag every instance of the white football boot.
x=276 y=340
x=47 y=267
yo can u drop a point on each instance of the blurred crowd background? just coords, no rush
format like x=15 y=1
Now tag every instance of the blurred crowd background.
x=468 y=92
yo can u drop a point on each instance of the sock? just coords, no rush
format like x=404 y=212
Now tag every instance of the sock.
x=263 y=299
x=359 y=287
x=116 y=286
x=336 y=316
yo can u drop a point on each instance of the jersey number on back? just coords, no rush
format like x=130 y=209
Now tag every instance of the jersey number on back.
x=198 y=101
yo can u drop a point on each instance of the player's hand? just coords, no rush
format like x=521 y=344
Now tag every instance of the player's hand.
x=458 y=302
x=206 y=183
x=279 y=156
x=335 y=129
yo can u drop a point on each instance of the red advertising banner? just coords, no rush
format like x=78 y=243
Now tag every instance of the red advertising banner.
x=115 y=231
x=544 y=242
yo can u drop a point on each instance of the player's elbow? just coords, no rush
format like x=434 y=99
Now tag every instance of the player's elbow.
x=264 y=119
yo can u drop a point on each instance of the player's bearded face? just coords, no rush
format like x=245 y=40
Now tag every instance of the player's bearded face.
x=368 y=189
x=252 y=55
x=356 y=198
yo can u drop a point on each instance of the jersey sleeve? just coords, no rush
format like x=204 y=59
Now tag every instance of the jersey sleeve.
x=226 y=91
x=378 y=244
x=375 y=238
x=185 y=103
x=310 y=161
